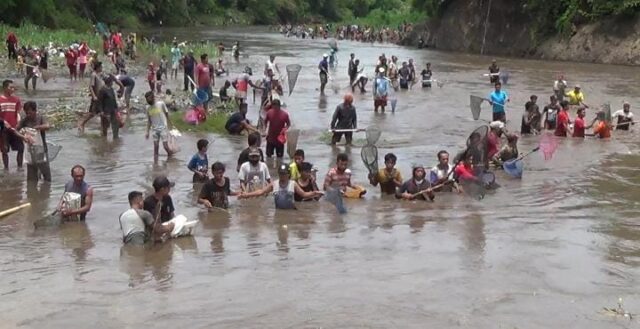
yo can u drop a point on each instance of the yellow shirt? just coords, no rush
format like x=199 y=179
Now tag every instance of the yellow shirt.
x=294 y=172
x=387 y=180
x=575 y=98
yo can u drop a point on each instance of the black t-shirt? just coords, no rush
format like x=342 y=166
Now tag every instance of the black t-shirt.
x=235 y=118
x=151 y=204
x=215 y=193
x=426 y=74
x=108 y=101
x=244 y=156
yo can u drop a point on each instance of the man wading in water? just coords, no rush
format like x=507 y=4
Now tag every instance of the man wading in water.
x=39 y=162
x=344 y=117
x=323 y=67
x=10 y=139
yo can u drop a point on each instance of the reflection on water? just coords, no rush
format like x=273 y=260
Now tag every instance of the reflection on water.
x=564 y=237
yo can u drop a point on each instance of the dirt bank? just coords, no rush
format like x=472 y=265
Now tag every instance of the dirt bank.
x=510 y=31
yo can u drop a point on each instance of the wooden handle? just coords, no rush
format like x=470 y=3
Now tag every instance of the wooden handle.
x=14 y=209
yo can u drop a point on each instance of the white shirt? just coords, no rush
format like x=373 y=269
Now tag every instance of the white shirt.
x=620 y=113
x=255 y=177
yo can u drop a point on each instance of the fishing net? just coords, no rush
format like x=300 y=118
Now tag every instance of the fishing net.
x=488 y=178
x=53 y=219
x=292 y=75
x=394 y=102
x=513 y=168
x=606 y=108
x=504 y=76
x=373 y=135
x=292 y=141
x=548 y=145
x=333 y=196
x=440 y=84
x=473 y=188
x=477 y=147
x=333 y=44
x=474 y=103
x=369 y=155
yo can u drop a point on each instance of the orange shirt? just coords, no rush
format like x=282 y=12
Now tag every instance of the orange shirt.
x=602 y=130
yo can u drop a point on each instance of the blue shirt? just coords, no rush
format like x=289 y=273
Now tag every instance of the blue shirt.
x=323 y=66
x=499 y=98
x=199 y=164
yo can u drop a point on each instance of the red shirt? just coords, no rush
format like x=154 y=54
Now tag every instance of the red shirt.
x=578 y=127
x=71 y=57
x=464 y=172
x=277 y=120
x=202 y=75
x=9 y=108
x=11 y=38
x=492 y=144
x=562 y=123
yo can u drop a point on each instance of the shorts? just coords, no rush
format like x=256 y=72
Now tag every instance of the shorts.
x=380 y=101
x=279 y=148
x=136 y=238
x=160 y=135
x=175 y=65
x=94 y=107
x=241 y=94
x=551 y=125
x=72 y=69
x=9 y=141
x=235 y=128
x=404 y=84
x=348 y=136
x=323 y=78
x=499 y=116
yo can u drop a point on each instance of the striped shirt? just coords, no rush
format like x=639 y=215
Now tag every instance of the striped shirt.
x=9 y=109
x=335 y=178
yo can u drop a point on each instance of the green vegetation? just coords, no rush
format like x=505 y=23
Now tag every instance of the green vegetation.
x=131 y=14
x=553 y=16
x=383 y=13
x=214 y=124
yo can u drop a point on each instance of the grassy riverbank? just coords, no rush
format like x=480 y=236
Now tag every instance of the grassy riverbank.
x=214 y=124
x=36 y=36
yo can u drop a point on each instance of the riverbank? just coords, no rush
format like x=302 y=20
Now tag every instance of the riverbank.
x=511 y=31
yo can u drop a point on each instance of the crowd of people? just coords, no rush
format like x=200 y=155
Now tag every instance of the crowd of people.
x=150 y=218
x=353 y=32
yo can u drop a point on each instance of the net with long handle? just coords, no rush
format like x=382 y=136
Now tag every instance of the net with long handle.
x=369 y=155
x=477 y=146
x=334 y=196
x=373 y=134
x=292 y=75
x=394 y=103
x=504 y=77
x=474 y=103
x=548 y=145
x=513 y=168
x=292 y=141
x=333 y=44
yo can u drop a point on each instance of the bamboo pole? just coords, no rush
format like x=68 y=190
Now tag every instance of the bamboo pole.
x=14 y=209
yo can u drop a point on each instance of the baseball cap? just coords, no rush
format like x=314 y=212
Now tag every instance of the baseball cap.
x=162 y=181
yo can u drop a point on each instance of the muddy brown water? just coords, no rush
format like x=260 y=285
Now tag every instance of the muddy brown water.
x=549 y=250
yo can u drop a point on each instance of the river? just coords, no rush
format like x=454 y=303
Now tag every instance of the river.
x=550 y=250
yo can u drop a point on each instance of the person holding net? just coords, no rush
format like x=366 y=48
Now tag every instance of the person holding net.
x=498 y=99
x=339 y=177
x=389 y=177
x=344 y=118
